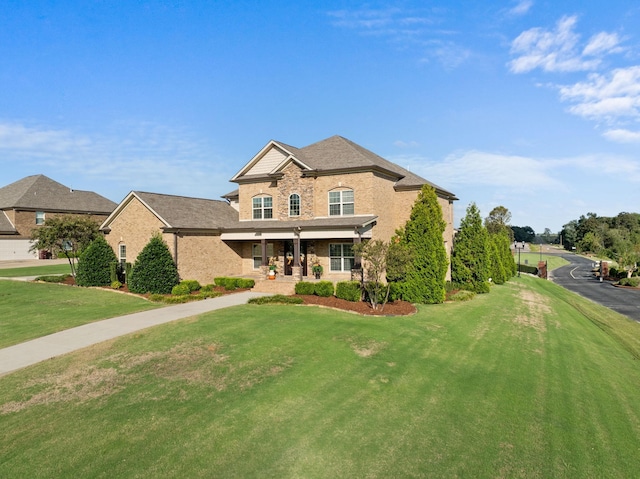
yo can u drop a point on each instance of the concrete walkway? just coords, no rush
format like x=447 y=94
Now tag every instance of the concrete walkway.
x=31 y=352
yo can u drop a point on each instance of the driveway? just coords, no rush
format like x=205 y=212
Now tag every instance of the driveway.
x=579 y=278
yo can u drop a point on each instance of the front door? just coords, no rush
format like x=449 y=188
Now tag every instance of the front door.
x=289 y=262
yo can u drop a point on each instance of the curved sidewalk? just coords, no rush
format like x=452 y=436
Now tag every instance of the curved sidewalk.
x=31 y=352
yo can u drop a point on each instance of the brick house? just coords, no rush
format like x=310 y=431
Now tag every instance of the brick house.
x=293 y=207
x=26 y=203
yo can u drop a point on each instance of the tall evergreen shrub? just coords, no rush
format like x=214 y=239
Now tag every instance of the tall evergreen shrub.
x=425 y=278
x=470 y=257
x=154 y=270
x=94 y=264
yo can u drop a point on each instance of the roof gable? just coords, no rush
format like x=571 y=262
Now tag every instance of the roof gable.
x=39 y=192
x=6 y=227
x=181 y=212
x=269 y=160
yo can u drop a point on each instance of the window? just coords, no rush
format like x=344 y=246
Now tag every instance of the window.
x=262 y=208
x=341 y=203
x=257 y=254
x=341 y=257
x=122 y=253
x=294 y=205
x=39 y=217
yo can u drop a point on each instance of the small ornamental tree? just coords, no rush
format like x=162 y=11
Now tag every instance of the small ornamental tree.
x=94 y=264
x=374 y=255
x=422 y=234
x=154 y=270
x=67 y=233
x=470 y=257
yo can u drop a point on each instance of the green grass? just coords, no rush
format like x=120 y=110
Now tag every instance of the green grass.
x=35 y=270
x=532 y=259
x=529 y=381
x=32 y=310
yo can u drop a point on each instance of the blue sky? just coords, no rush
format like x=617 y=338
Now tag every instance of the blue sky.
x=533 y=105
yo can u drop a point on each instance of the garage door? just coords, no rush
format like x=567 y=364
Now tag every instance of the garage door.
x=15 y=250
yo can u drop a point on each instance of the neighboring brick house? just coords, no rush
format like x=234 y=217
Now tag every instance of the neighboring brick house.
x=25 y=204
x=292 y=207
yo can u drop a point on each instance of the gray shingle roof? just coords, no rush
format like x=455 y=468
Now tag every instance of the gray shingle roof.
x=39 y=192
x=5 y=225
x=336 y=154
x=190 y=213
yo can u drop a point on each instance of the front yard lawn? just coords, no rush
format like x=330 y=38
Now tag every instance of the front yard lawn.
x=528 y=381
x=32 y=310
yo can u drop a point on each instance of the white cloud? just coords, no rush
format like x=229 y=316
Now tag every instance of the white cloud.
x=479 y=168
x=522 y=8
x=621 y=135
x=557 y=50
x=603 y=43
x=406 y=29
x=606 y=97
x=141 y=156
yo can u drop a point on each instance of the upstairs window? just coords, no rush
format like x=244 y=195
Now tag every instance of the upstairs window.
x=39 y=217
x=341 y=203
x=294 y=205
x=262 y=208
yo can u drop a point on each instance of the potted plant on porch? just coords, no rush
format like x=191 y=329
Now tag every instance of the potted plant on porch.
x=317 y=269
x=273 y=269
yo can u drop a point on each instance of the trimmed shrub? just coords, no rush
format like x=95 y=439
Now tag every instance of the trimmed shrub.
x=192 y=284
x=94 y=265
x=227 y=283
x=154 y=270
x=208 y=288
x=634 y=281
x=202 y=294
x=277 y=298
x=349 y=290
x=395 y=291
x=113 y=271
x=53 y=278
x=116 y=284
x=305 y=287
x=180 y=290
x=245 y=283
x=324 y=289
x=462 y=295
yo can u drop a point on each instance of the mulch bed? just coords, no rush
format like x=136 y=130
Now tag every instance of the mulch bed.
x=395 y=308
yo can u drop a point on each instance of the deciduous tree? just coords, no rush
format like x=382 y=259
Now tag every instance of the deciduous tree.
x=67 y=233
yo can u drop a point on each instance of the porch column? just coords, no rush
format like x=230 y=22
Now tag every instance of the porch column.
x=296 y=271
x=263 y=244
x=357 y=260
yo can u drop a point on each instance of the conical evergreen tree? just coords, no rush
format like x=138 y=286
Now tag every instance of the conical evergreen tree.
x=425 y=278
x=94 y=264
x=470 y=257
x=154 y=270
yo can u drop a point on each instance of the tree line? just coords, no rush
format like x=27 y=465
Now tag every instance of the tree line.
x=617 y=237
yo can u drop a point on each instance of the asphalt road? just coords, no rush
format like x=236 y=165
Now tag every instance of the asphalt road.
x=579 y=278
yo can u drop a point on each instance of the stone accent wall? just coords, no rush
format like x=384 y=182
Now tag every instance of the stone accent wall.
x=293 y=182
